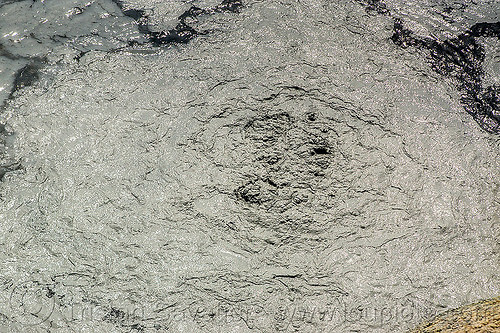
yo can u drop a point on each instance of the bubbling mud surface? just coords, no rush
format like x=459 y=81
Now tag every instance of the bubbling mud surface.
x=209 y=166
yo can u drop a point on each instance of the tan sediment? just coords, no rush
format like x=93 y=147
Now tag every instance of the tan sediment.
x=481 y=317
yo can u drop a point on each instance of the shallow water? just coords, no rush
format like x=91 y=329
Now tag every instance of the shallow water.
x=277 y=166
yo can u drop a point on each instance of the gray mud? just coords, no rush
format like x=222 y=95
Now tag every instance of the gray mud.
x=292 y=170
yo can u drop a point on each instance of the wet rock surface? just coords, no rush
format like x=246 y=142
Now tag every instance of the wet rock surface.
x=294 y=170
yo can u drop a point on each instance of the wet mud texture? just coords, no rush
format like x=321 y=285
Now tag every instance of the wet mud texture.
x=462 y=58
x=376 y=6
x=183 y=31
x=27 y=75
x=38 y=35
x=296 y=173
x=31 y=60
